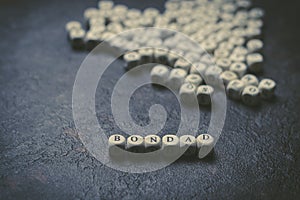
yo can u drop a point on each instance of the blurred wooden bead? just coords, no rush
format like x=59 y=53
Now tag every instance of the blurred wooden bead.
x=90 y=13
x=189 y=144
x=240 y=50
x=152 y=143
x=170 y=145
x=173 y=56
x=76 y=37
x=237 y=57
x=133 y=14
x=256 y=13
x=159 y=74
x=182 y=64
x=255 y=46
x=228 y=76
x=116 y=145
x=221 y=53
x=253 y=33
x=250 y=79
x=237 y=41
x=234 y=89
x=146 y=55
x=209 y=46
x=212 y=74
x=224 y=63
x=73 y=25
x=204 y=94
x=92 y=39
x=176 y=78
x=135 y=143
x=250 y=95
x=255 y=62
x=239 y=68
x=194 y=79
x=198 y=68
x=205 y=143
x=132 y=59
x=187 y=93
x=106 y=5
x=161 y=55
x=267 y=88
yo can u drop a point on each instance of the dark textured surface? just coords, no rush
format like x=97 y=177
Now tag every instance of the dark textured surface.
x=257 y=155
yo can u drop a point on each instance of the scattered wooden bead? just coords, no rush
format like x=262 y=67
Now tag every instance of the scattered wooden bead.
x=250 y=79
x=239 y=68
x=234 y=89
x=250 y=95
x=204 y=94
x=255 y=62
x=267 y=88
x=228 y=76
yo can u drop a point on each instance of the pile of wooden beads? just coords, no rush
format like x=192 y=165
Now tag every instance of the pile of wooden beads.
x=229 y=30
x=171 y=145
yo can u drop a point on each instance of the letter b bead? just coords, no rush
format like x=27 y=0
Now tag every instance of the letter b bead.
x=116 y=145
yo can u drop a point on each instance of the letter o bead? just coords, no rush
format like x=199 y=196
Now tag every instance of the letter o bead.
x=135 y=143
x=116 y=145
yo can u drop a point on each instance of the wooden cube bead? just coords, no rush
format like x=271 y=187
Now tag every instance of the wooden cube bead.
x=176 y=78
x=250 y=95
x=73 y=25
x=255 y=46
x=182 y=64
x=76 y=37
x=204 y=93
x=239 y=68
x=205 y=143
x=234 y=89
x=256 y=13
x=255 y=62
x=198 y=68
x=228 y=76
x=224 y=63
x=267 y=88
x=132 y=59
x=170 y=145
x=237 y=57
x=250 y=79
x=146 y=55
x=106 y=5
x=92 y=39
x=188 y=144
x=194 y=79
x=187 y=93
x=116 y=145
x=159 y=74
x=152 y=143
x=135 y=143
x=212 y=74
x=161 y=55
